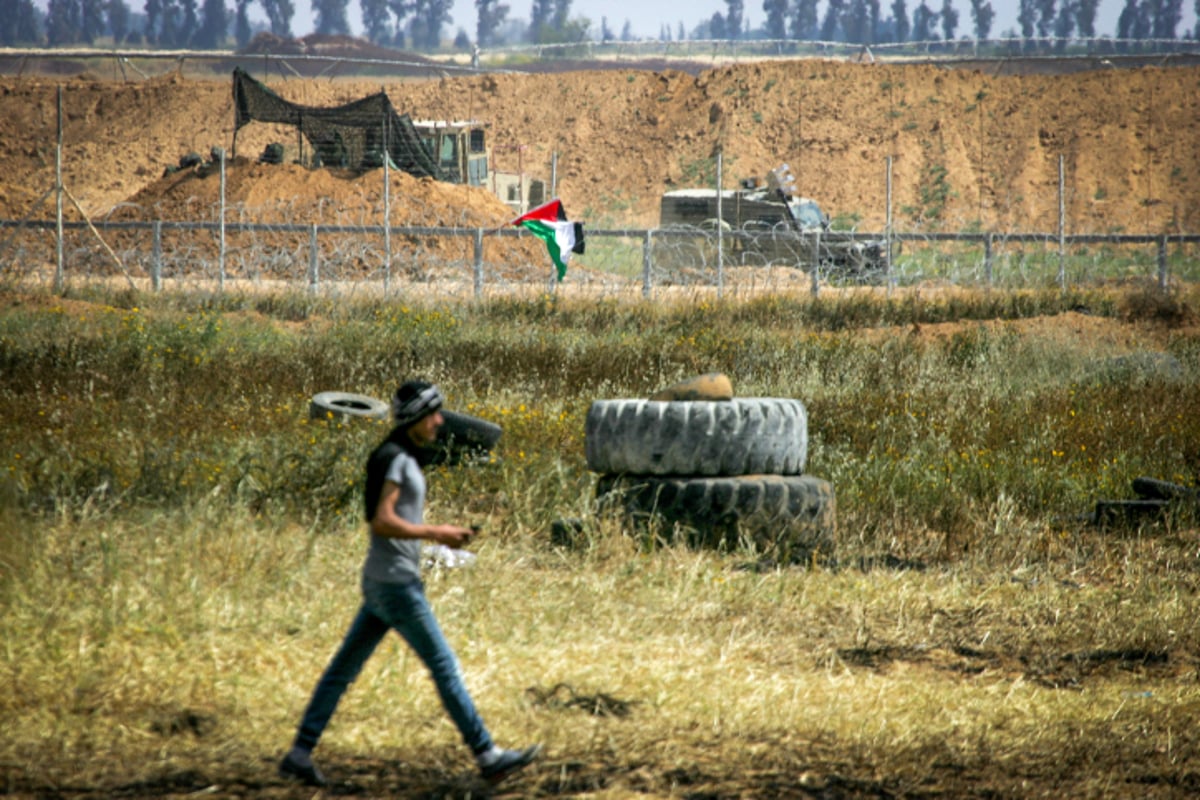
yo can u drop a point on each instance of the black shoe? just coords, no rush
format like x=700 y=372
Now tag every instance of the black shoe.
x=509 y=762
x=308 y=774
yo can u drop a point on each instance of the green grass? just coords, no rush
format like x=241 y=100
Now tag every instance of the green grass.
x=181 y=545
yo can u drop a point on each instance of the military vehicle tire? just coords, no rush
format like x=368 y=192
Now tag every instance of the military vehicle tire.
x=742 y=436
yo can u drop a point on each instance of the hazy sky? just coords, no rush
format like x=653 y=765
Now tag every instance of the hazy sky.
x=646 y=17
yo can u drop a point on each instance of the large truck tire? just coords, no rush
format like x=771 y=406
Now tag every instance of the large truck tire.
x=789 y=518
x=742 y=436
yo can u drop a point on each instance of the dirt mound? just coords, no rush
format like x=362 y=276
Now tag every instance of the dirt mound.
x=277 y=193
x=319 y=44
x=325 y=54
x=968 y=149
x=287 y=193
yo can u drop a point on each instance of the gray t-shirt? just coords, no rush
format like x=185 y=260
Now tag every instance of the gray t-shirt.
x=399 y=560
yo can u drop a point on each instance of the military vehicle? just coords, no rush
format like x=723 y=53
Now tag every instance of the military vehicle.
x=357 y=135
x=767 y=223
x=463 y=155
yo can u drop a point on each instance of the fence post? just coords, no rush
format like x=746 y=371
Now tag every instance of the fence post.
x=720 y=233
x=478 y=263
x=1162 y=263
x=221 y=227
x=59 y=274
x=647 y=247
x=312 y=258
x=816 y=264
x=987 y=258
x=156 y=257
x=1062 y=227
x=387 y=217
x=887 y=239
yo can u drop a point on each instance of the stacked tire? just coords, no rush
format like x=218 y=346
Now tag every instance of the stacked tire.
x=721 y=474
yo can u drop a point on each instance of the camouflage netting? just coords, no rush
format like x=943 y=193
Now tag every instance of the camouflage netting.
x=354 y=135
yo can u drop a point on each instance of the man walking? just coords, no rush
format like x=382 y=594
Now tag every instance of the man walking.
x=394 y=596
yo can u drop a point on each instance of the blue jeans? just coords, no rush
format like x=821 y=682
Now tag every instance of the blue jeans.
x=403 y=608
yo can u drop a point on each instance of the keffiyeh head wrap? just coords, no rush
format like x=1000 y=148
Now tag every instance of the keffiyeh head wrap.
x=414 y=401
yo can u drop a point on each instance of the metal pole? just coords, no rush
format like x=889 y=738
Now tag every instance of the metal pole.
x=59 y=275
x=987 y=258
x=554 y=174
x=1162 y=263
x=156 y=258
x=478 y=262
x=816 y=263
x=720 y=233
x=387 y=222
x=221 y=228
x=312 y=258
x=887 y=239
x=1062 y=227
x=647 y=248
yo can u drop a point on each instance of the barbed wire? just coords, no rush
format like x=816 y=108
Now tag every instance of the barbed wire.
x=715 y=51
x=473 y=262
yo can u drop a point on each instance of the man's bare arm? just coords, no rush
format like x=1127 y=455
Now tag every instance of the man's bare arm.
x=390 y=524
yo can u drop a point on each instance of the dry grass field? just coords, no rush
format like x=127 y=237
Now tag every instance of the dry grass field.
x=181 y=543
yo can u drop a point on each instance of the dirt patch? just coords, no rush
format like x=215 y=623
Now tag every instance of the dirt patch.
x=1067 y=329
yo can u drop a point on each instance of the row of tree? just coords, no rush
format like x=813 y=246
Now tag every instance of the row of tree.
x=862 y=22
x=209 y=24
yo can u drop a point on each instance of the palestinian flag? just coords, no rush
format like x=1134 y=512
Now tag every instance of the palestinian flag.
x=562 y=237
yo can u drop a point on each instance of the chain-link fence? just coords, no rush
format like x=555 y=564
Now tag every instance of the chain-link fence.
x=226 y=245
x=475 y=262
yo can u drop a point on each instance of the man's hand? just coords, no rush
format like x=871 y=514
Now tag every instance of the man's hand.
x=454 y=536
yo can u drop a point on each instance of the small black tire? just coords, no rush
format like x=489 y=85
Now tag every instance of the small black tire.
x=345 y=407
x=1155 y=489
x=790 y=518
x=463 y=437
x=568 y=533
x=1127 y=512
x=742 y=436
